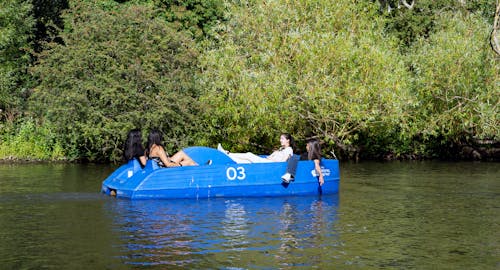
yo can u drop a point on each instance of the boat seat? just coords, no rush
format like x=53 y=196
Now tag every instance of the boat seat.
x=151 y=165
x=134 y=163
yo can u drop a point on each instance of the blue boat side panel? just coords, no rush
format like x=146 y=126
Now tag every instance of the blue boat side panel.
x=201 y=155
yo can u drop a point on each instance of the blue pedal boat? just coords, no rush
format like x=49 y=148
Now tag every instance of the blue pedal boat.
x=222 y=178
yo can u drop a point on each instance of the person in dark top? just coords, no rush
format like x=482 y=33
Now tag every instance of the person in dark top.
x=156 y=152
x=313 y=153
x=133 y=148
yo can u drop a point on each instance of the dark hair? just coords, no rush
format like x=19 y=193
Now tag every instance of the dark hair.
x=314 y=149
x=133 y=147
x=290 y=138
x=155 y=137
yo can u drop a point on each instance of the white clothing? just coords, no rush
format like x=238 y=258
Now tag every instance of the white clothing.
x=281 y=155
x=247 y=158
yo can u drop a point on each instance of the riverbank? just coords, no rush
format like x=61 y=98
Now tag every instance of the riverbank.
x=15 y=160
x=484 y=150
x=479 y=150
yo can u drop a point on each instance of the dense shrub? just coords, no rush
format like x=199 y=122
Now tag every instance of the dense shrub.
x=456 y=81
x=418 y=82
x=16 y=35
x=198 y=17
x=28 y=140
x=118 y=69
x=309 y=68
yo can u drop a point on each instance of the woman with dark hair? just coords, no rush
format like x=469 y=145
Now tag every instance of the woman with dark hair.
x=280 y=155
x=313 y=153
x=156 y=151
x=286 y=149
x=133 y=148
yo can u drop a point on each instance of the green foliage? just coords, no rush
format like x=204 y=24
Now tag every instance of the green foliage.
x=30 y=141
x=47 y=14
x=408 y=25
x=16 y=31
x=196 y=16
x=117 y=70
x=407 y=83
x=456 y=81
x=307 y=67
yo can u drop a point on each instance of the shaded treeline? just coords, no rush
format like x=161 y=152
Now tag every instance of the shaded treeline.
x=416 y=80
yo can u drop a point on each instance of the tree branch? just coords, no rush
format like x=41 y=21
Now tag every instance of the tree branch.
x=409 y=6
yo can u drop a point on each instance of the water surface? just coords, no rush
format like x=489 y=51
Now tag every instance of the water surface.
x=396 y=215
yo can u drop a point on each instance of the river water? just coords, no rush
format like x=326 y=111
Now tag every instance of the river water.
x=394 y=215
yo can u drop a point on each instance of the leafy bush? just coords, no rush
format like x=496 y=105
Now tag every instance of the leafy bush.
x=408 y=83
x=456 y=82
x=118 y=69
x=196 y=16
x=30 y=141
x=307 y=67
x=412 y=24
x=16 y=32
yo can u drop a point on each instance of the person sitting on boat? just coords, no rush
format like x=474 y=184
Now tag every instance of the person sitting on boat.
x=133 y=148
x=156 y=152
x=313 y=153
x=280 y=155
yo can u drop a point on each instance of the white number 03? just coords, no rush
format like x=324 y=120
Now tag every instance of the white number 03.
x=235 y=173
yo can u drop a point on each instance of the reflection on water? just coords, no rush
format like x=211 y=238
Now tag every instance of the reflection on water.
x=287 y=231
x=396 y=215
x=189 y=233
x=235 y=226
x=152 y=233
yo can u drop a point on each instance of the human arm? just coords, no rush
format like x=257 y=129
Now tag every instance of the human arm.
x=142 y=160
x=317 y=167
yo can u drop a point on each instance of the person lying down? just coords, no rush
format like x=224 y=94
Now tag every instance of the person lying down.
x=280 y=155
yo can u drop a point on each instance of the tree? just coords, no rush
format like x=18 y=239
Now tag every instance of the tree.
x=116 y=69
x=456 y=83
x=411 y=21
x=306 y=67
x=47 y=14
x=196 y=16
x=16 y=35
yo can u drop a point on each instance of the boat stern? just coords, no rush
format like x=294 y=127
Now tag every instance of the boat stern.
x=121 y=182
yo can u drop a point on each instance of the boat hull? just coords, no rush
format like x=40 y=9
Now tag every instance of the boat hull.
x=222 y=179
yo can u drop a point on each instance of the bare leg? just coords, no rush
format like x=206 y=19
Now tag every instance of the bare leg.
x=183 y=159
